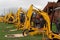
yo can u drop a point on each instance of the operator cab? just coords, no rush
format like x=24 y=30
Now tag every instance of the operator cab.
x=22 y=17
x=37 y=20
x=57 y=20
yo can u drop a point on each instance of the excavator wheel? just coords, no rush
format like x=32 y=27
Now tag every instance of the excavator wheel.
x=25 y=32
x=55 y=39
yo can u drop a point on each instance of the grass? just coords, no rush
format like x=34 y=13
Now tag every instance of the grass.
x=4 y=31
x=54 y=28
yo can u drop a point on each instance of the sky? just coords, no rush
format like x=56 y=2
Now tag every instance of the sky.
x=13 y=5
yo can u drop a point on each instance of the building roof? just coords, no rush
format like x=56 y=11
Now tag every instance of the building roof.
x=50 y=4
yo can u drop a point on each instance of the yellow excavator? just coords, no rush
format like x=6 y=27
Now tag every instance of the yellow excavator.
x=9 y=18
x=20 y=19
x=30 y=29
x=1 y=19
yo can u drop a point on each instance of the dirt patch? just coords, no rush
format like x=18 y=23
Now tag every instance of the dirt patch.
x=14 y=35
x=9 y=27
x=13 y=30
x=9 y=30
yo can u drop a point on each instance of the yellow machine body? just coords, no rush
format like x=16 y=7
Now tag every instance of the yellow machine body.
x=28 y=19
x=1 y=19
x=18 y=22
x=46 y=28
x=9 y=18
